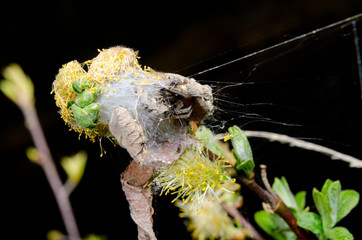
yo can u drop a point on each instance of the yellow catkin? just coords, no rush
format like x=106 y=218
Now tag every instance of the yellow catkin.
x=104 y=68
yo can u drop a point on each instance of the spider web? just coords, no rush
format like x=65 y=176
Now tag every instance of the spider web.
x=267 y=87
x=308 y=86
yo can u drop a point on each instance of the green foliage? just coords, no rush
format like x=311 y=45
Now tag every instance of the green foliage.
x=242 y=151
x=57 y=235
x=82 y=117
x=311 y=221
x=295 y=203
x=74 y=167
x=85 y=111
x=80 y=85
x=332 y=204
x=17 y=86
x=274 y=225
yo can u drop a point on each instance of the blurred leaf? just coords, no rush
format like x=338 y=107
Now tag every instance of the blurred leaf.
x=55 y=235
x=265 y=221
x=94 y=237
x=311 y=221
x=348 y=199
x=74 y=166
x=339 y=233
x=33 y=155
x=17 y=86
x=300 y=199
x=274 y=225
x=242 y=151
x=207 y=139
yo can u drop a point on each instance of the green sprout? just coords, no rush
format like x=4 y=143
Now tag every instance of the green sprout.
x=332 y=203
x=85 y=111
x=242 y=151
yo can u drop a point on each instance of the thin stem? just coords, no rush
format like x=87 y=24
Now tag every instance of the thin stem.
x=277 y=205
x=264 y=178
x=46 y=162
x=258 y=190
x=283 y=211
x=353 y=162
x=236 y=214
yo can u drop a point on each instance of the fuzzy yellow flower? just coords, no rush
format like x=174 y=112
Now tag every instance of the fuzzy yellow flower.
x=213 y=222
x=194 y=178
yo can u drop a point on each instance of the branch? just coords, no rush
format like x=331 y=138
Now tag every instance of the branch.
x=277 y=206
x=46 y=162
x=353 y=162
x=19 y=88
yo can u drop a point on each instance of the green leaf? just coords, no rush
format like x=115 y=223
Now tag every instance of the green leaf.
x=321 y=205
x=300 y=199
x=80 y=85
x=74 y=166
x=281 y=187
x=207 y=139
x=326 y=186
x=339 y=233
x=33 y=154
x=82 y=118
x=69 y=104
x=242 y=151
x=85 y=98
x=17 y=86
x=333 y=202
x=348 y=199
x=266 y=222
x=311 y=221
x=92 y=111
x=246 y=166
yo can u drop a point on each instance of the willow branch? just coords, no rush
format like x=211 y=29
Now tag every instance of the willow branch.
x=46 y=162
x=353 y=162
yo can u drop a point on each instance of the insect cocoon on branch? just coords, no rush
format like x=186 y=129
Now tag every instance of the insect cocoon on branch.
x=159 y=106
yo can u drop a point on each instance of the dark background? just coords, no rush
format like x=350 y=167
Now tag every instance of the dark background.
x=308 y=89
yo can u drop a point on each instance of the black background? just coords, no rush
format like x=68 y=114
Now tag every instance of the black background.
x=308 y=89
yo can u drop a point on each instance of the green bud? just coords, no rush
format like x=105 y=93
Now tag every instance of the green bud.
x=69 y=104
x=93 y=111
x=82 y=117
x=85 y=98
x=80 y=85
x=242 y=151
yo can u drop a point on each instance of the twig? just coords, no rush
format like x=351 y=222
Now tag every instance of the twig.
x=264 y=178
x=236 y=214
x=277 y=206
x=353 y=162
x=46 y=162
x=18 y=87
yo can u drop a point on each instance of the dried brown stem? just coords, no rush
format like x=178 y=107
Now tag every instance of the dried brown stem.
x=46 y=162
x=264 y=178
